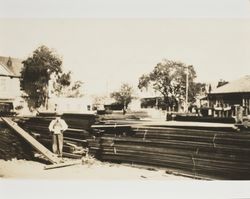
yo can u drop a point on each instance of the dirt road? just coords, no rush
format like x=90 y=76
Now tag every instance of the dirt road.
x=93 y=170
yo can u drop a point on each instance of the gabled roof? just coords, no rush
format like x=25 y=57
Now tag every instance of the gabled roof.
x=15 y=67
x=241 y=85
x=4 y=70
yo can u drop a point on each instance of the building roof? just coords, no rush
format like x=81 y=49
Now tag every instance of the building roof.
x=14 y=67
x=241 y=85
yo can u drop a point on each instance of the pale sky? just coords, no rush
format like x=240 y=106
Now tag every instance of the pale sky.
x=124 y=8
x=104 y=52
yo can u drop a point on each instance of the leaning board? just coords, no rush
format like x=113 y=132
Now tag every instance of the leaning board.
x=37 y=145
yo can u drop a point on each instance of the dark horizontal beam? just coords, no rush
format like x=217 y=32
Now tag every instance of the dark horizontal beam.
x=11 y=76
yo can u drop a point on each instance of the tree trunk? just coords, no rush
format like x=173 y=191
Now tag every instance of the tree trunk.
x=124 y=108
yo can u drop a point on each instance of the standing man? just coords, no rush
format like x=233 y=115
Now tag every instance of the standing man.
x=57 y=127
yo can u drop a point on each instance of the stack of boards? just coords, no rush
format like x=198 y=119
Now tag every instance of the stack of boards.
x=13 y=146
x=206 y=153
x=215 y=152
x=75 y=136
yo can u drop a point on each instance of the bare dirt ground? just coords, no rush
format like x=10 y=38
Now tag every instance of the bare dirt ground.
x=91 y=170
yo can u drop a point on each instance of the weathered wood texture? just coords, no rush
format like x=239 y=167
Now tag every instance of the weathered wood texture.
x=32 y=141
x=12 y=145
x=217 y=152
x=200 y=153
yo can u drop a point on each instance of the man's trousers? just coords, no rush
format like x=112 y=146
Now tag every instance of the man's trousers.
x=57 y=144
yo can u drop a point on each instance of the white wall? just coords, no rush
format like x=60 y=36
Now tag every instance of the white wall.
x=9 y=88
x=65 y=104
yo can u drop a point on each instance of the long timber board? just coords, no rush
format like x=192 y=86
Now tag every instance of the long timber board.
x=37 y=145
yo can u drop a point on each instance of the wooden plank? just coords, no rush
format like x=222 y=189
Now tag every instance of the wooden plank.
x=64 y=164
x=37 y=145
x=71 y=155
x=110 y=126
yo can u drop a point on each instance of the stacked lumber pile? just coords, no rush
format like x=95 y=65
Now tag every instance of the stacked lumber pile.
x=203 y=152
x=74 y=137
x=79 y=121
x=12 y=146
x=228 y=120
x=105 y=130
x=199 y=153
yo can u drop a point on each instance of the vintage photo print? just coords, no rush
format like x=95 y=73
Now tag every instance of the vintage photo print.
x=152 y=96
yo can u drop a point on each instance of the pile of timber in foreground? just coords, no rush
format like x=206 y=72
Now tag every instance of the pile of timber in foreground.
x=205 y=152
x=13 y=146
x=75 y=144
x=215 y=154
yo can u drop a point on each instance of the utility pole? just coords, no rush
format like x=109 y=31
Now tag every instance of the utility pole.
x=46 y=97
x=186 y=103
x=47 y=91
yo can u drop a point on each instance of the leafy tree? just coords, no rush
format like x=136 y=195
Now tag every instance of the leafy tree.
x=123 y=96
x=60 y=83
x=197 y=89
x=169 y=78
x=64 y=79
x=36 y=74
x=65 y=87
x=75 y=89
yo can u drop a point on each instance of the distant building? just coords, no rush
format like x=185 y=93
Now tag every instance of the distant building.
x=149 y=98
x=9 y=80
x=225 y=99
x=69 y=104
x=152 y=99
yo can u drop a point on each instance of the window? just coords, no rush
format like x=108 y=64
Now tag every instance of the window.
x=3 y=86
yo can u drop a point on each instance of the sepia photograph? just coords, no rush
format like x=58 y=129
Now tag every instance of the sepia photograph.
x=126 y=97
